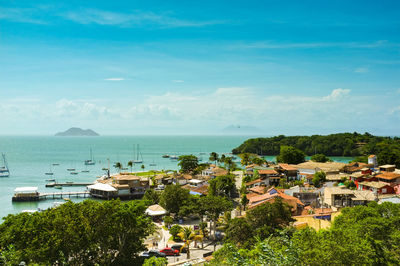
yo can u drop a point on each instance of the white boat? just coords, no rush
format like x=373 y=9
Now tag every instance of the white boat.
x=138 y=153
x=91 y=160
x=50 y=172
x=4 y=171
x=173 y=157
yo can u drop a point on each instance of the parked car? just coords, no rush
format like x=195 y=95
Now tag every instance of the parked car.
x=180 y=248
x=152 y=253
x=170 y=251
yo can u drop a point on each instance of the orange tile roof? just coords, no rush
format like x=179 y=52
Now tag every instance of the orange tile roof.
x=267 y=172
x=258 y=189
x=371 y=156
x=253 y=182
x=388 y=175
x=287 y=167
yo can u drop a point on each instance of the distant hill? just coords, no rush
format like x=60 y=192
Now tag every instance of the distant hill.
x=76 y=132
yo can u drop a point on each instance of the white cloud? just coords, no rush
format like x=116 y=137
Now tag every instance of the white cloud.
x=23 y=15
x=178 y=81
x=114 y=79
x=337 y=94
x=132 y=19
x=361 y=70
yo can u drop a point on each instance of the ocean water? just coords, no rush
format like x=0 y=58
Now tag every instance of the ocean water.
x=29 y=158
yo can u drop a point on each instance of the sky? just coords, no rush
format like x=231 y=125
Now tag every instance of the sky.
x=198 y=67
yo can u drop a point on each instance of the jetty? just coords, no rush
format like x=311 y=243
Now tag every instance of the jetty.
x=69 y=184
x=31 y=194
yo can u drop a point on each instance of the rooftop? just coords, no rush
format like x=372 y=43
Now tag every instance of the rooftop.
x=388 y=175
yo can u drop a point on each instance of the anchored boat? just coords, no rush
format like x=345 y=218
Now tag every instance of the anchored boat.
x=4 y=171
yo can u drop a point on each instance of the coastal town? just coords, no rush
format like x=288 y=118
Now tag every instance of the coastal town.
x=315 y=192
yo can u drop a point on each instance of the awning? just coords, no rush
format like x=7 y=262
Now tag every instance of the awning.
x=103 y=187
x=26 y=189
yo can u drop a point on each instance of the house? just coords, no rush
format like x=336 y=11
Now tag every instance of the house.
x=102 y=191
x=338 y=197
x=130 y=186
x=387 y=168
x=271 y=195
x=269 y=176
x=213 y=171
x=388 y=177
x=354 y=167
x=336 y=178
x=256 y=183
x=377 y=187
x=287 y=170
x=311 y=167
x=373 y=160
x=201 y=190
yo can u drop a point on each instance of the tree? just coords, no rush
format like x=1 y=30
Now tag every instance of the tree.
x=222 y=185
x=188 y=163
x=290 y=155
x=155 y=261
x=168 y=221
x=173 y=198
x=214 y=157
x=118 y=165
x=213 y=206
x=239 y=232
x=321 y=158
x=245 y=159
x=229 y=163
x=319 y=177
x=187 y=235
x=86 y=233
x=130 y=164
x=175 y=230
x=152 y=196
x=142 y=166
x=258 y=160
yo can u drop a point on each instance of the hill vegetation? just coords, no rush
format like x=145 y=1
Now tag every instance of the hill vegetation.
x=342 y=144
x=76 y=132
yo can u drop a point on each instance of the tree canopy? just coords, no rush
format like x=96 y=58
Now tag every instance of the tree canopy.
x=174 y=197
x=188 y=163
x=387 y=149
x=86 y=233
x=320 y=158
x=222 y=185
x=290 y=155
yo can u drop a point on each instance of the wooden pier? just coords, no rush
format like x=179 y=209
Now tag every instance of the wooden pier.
x=62 y=195
x=68 y=184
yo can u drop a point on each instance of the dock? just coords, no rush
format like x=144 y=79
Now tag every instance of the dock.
x=31 y=194
x=66 y=194
x=68 y=184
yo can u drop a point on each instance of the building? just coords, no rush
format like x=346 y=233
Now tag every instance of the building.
x=102 y=191
x=339 y=197
x=387 y=168
x=377 y=187
x=373 y=160
x=288 y=171
x=388 y=177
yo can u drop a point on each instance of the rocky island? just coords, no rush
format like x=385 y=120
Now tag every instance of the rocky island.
x=77 y=132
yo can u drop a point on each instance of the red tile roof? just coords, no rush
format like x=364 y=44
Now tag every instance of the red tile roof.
x=253 y=182
x=267 y=172
x=388 y=175
x=287 y=167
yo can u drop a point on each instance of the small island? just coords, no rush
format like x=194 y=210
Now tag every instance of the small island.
x=77 y=132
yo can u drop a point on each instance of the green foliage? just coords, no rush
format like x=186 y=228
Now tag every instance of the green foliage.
x=343 y=144
x=321 y=158
x=175 y=230
x=174 y=197
x=155 y=261
x=214 y=157
x=361 y=159
x=221 y=185
x=152 y=196
x=229 y=163
x=258 y=160
x=188 y=163
x=245 y=159
x=86 y=233
x=319 y=178
x=260 y=222
x=290 y=155
x=168 y=220
x=362 y=235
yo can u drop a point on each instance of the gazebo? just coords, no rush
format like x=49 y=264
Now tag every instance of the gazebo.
x=155 y=211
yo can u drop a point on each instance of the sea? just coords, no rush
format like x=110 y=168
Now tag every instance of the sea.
x=29 y=158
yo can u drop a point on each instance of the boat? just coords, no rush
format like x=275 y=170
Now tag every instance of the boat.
x=58 y=187
x=4 y=171
x=85 y=171
x=74 y=173
x=173 y=157
x=91 y=160
x=71 y=169
x=165 y=156
x=55 y=164
x=137 y=155
x=50 y=180
x=50 y=172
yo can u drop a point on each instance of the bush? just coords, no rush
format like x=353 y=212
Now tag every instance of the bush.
x=174 y=231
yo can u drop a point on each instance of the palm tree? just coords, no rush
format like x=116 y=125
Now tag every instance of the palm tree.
x=245 y=159
x=229 y=163
x=130 y=164
x=187 y=235
x=214 y=157
x=118 y=165
x=222 y=158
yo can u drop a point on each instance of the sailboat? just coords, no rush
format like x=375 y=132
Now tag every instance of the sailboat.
x=137 y=156
x=49 y=172
x=4 y=171
x=90 y=161
x=86 y=170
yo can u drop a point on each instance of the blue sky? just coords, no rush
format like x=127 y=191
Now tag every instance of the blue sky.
x=196 y=67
